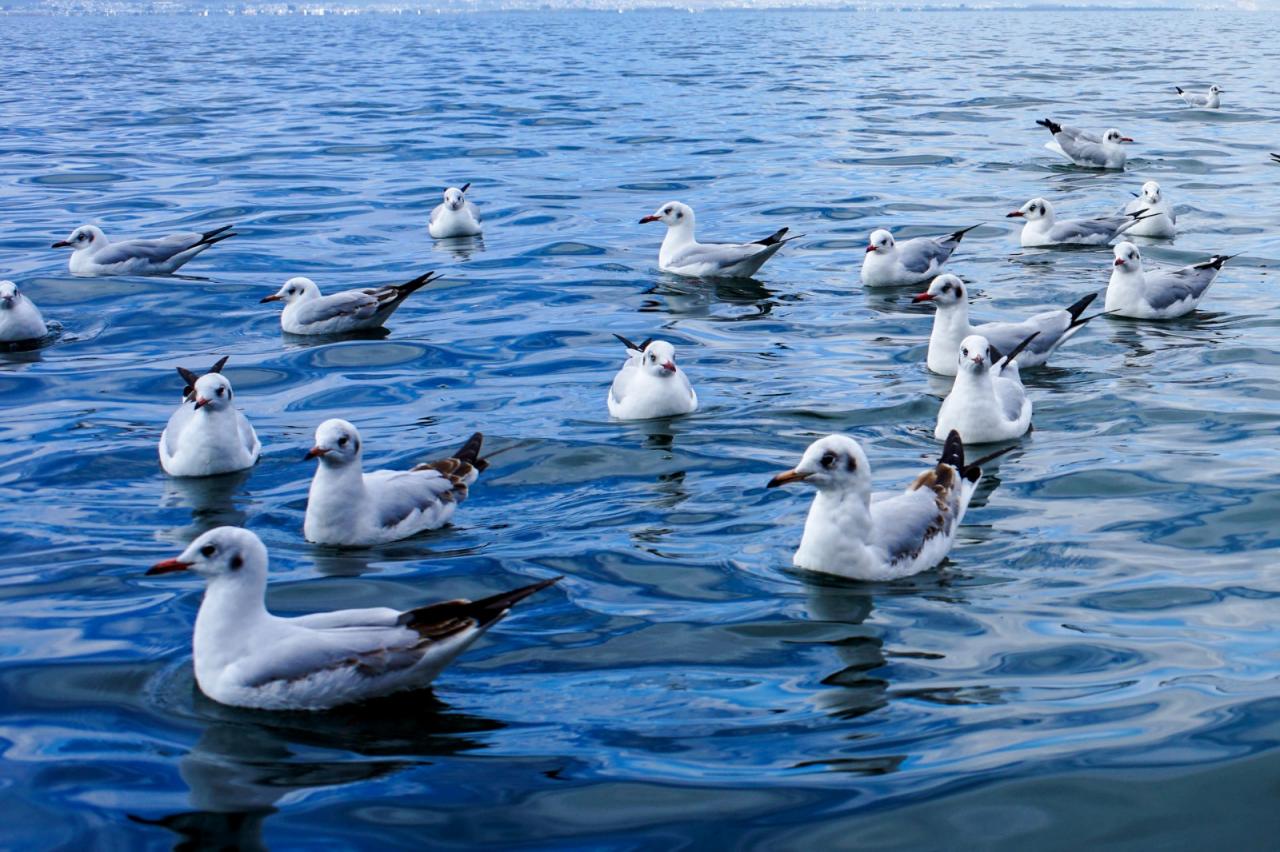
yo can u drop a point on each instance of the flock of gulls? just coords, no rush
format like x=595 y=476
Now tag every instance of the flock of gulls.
x=245 y=656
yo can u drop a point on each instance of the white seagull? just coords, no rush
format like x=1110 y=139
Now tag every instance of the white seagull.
x=1160 y=219
x=207 y=436
x=348 y=507
x=951 y=326
x=19 y=317
x=308 y=312
x=987 y=402
x=455 y=216
x=650 y=384
x=247 y=657
x=887 y=262
x=1157 y=293
x=1210 y=100
x=1043 y=228
x=682 y=254
x=1087 y=149
x=93 y=254
x=853 y=533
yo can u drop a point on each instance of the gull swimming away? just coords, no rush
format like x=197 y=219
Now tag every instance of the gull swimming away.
x=1157 y=293
x=887 y=263
x=456 y=216
x=1087 y=149
x=308 y=312
x=246 y=657
x=351 y=508
x=650 y=384
x=853 y=533
x=20 y=319
x=207 y=435
x=1210 y=100
x=682 y=254
x=987 y=403
x=1047 y=330
x=93 y=254
x=1043 y=228
x=1159 y=220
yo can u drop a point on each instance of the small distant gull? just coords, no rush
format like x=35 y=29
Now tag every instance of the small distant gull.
x=1043 y=228
x=93 y=254
x=20 y=319
x=1210 y=100
x=308 y=312
x=951 y=326
x=987 y=402
x=455 y=216
x=682 y=254
x=207 y=436
x=650 y=384
x=1160 y=219
x=887 y=263
x=1087 y=149
x=1157 y=293
x=349 y=507
x=853 y=533
x=247 y=657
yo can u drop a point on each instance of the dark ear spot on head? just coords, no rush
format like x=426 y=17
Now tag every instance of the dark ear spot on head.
x=852 y=464
x=237 y=562
x=355 y=446
x=959 y=293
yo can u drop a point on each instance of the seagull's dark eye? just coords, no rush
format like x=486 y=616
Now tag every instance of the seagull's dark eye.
x=237 y=562
x=828 y=459
x=220 y=390
x=208 y=550
x=946 y=288
x=667 y=211
x=964 y=351
x=342 y=442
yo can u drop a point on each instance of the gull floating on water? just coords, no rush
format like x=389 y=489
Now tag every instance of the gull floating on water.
x=650 y=384
x=1087 y=149
x=207 y=436
x=349 y=507
x=247 y=657
x=853 y=533
x=455 y=216
x=887 y=262
x=1159 y=221
x=951 y=326
x=1157 y=293
x=1210 y=100
x=682 y=254
x=20 y=319
x=1043 y=228
x=308 y=312
x=987 y=403
x=93 y=254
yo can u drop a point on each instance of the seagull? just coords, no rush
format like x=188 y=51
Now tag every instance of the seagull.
x=887 y=263
x=348 y=507
x=455 y=217
x=853 y=533
x=650 y=384
x=93 y=254
x=1210 y=100
x=308 y=312
x=1160 y=219
x=247 y=657
x=207 y=436
x=987 y=403
x=1042 y=227
x=1084 y=148
x=681 y=254
x=19 y=317
x=1157 y=293
x=951 y=326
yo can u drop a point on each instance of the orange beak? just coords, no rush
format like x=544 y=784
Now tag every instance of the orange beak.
x=787 y=478
x=266 y=299
x=870 y=249
x=922 y=297
x=648 y=219
x=314 y=453
x=168 y=566
x=201 y=402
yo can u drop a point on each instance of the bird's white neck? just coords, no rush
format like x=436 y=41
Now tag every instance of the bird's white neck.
x=950 y=326
x=1125 y=287
x=836 y=534
x=232 y=607
x=337 y=496
x=678 y=237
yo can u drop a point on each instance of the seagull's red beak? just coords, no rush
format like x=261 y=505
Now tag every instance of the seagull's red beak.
x=870 y=249
x=978 y=359
x=201 y=402
x=60 y=244
x=1125 y=139
x=788 y=477
x=922 y=297
x=1119 y=261
x=648 y=219
x=314 y=453
x=1017 y=214
x=266 y=299
x=168 y=566
x=670 y=366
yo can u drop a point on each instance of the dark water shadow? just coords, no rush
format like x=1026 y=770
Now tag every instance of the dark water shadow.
x=211 y=499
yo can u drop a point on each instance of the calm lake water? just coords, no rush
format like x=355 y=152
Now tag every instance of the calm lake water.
x=1096 y=665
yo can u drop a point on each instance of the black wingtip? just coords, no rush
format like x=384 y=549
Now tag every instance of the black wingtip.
x=953 y=451
x=189 y=378
x=973 y=472
x=470 y=452
x=1178 y=88
x=775 y=237
x=1053 y=126
x=403 y=291
x=1216 y=261
x=215 y=240
x=485 y=611
x=1079 y=306
x=959 y=235
x=627 y=343
x=1275 y=158
x=219 y=364
x=1136 y=215
x=463 y=189
x=1017 y=350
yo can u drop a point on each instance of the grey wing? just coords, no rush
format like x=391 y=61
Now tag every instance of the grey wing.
x=903 y=522
x=248 y=437
x=719 y=255
x=1078 y=148
x=372 y=617
x=1077 y=133
x=1006 y=335
x=473 y=210
x=1167 y=287
x=1011 y=395
x=398 y=494
x=1087 y=230
x=919 y=255
x=304 y=651
x=170 y=438
x=435 y=214
x=618 y=390
x=357 y=304
x=155 y=251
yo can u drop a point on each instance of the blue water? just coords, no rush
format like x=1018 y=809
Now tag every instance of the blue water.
x=1096 y=665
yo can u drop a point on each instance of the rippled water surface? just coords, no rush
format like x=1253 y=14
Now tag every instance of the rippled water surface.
x=1096 y=664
